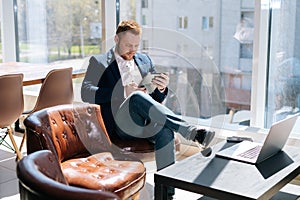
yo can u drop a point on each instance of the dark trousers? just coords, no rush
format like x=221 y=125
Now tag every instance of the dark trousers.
x=140 y=116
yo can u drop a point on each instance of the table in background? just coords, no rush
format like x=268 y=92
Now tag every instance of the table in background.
x=35 y=73
x=228 y=179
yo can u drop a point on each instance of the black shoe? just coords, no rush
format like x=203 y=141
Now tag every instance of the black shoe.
x=203 y=136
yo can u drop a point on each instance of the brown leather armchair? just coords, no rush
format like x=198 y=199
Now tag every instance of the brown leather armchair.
x=40 y=177
x=76 y=135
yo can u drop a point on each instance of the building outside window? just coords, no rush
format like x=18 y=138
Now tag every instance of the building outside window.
x=229 y=60
x=200 y=75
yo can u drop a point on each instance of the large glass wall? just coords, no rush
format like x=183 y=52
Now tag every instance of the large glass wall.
x=0 y=43
x=207 y=47
x=283 y=96
x=52 y=30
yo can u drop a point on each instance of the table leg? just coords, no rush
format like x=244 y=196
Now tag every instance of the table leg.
x=160 y=192
x=18 y=128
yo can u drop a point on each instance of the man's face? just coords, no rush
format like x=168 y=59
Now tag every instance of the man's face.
x=127 y=44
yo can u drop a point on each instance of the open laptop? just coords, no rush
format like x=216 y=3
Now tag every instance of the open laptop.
x=252 y=152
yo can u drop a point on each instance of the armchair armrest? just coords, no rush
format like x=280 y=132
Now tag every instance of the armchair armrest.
x=40 y=177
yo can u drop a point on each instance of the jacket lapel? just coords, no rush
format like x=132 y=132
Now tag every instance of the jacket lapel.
x=144 y=69
x=112 y=64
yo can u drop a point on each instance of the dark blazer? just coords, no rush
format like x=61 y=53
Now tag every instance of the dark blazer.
x=103 y=85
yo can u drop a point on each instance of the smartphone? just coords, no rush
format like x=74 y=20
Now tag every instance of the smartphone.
x=238 y=139
x=157 y=74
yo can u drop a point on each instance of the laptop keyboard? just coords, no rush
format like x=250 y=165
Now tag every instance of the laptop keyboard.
x=251 y=153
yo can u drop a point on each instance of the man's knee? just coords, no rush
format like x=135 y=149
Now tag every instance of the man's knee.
x=163 y=138
x=137 y=95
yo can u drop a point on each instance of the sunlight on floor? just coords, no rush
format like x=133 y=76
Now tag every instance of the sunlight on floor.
x=9 y=183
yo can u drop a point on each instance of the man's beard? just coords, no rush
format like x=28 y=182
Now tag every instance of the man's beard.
x=127 y=56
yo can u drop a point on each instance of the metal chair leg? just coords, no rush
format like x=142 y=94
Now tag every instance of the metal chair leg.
x=3 y=141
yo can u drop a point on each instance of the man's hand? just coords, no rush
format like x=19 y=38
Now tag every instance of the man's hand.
x=161 y=81
x=133 y=87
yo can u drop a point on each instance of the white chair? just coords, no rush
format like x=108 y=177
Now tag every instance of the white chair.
x=11 y=107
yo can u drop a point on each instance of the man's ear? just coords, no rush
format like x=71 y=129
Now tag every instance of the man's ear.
x=116 y=39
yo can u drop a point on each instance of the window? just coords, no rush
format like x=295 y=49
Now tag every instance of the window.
x=211 y=22
x=144 y=20
x=202 y=66
x=244 y=34
x=283 y=96
x=1 y=45
x=145 y=45
x=198 y=62
x=144 y=3
x=207 y=23
x=182 y=22
x=63 y=30
x=246 y=50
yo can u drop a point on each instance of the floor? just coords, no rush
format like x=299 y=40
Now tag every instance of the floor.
x=9 y=183
x=8 y=177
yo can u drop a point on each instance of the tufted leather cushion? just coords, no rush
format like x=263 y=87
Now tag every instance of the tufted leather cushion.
x=40 y=177
x=102 y=172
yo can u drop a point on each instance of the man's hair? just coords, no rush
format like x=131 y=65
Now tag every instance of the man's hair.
x=129 y=25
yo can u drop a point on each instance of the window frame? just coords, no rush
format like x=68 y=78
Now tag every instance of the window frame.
x=260 y=60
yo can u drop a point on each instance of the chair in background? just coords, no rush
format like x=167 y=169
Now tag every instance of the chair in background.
x=76 y=135
x=11 y=106
x=236 y=97
x=56 y=89
x=40 y=177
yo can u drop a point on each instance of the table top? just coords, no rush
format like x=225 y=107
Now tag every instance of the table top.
x=228 y=179
x=35 y=73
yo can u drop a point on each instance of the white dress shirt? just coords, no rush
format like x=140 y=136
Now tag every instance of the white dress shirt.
x=129 y=71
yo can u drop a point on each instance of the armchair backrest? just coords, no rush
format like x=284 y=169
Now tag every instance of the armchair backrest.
x=69 y=131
